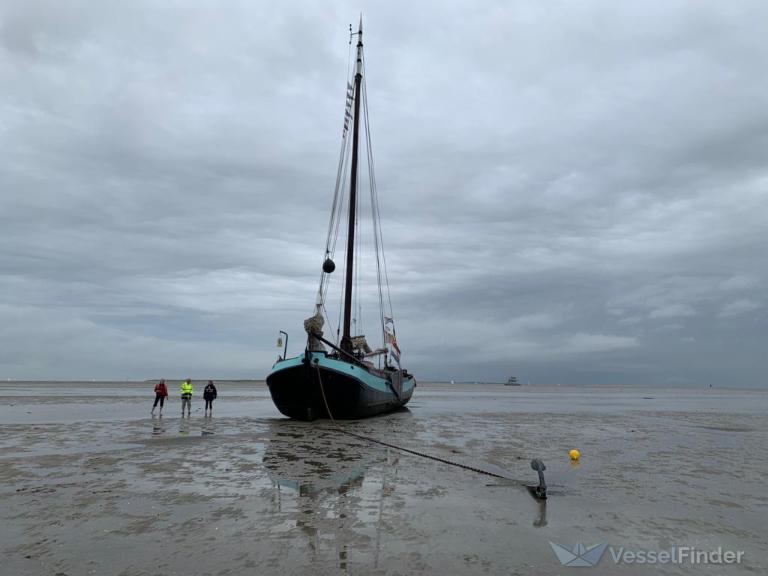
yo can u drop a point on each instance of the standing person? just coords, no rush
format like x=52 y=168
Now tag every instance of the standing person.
x=161 y=393
x=209 y=395
x=186 y=396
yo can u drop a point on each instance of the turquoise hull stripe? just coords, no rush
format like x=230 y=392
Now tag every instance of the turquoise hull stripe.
x=344 y=368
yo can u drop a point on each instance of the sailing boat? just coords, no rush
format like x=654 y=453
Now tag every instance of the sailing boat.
x=346 y=378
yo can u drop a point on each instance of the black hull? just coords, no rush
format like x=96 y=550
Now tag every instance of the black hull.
x=296 y=392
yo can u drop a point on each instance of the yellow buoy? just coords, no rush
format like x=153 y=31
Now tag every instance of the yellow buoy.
x=574 y=454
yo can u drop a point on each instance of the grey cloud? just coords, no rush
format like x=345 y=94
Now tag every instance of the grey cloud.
x=574 y=195
x=739 y=307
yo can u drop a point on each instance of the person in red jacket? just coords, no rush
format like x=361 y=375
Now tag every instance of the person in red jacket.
x=161 y=392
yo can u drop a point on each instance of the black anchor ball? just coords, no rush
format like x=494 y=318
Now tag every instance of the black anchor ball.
x=328 y=266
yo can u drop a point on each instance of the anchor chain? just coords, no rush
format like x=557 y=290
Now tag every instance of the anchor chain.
x=337 y=428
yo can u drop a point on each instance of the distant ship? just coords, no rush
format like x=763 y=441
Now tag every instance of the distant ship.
x=512 y=381
x=342 y=381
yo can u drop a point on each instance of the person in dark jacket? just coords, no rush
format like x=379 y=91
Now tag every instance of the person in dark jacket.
x=161 y=393
x=209 y=395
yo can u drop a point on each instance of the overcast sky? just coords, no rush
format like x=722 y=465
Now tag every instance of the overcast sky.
x=571 y=192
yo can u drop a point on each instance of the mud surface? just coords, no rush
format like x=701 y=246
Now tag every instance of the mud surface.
x=92 y=485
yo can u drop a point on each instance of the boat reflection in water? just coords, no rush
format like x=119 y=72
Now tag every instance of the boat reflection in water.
x=331 y=488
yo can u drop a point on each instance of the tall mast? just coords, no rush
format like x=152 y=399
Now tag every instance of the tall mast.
x=346 y=340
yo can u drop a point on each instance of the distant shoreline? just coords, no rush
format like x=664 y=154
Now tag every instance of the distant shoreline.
x=538 y=385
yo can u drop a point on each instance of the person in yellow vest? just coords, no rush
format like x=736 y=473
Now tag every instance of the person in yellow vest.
x=186 y=396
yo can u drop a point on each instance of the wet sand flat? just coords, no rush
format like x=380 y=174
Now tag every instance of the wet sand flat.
x=91 y=484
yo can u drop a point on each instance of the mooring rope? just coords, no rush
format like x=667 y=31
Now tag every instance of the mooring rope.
x=337 y=428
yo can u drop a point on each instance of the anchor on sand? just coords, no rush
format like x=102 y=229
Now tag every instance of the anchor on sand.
x=539 y=491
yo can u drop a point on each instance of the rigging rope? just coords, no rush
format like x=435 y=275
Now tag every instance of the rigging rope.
x=340 y=202
x=375 y=202
x=381 y=260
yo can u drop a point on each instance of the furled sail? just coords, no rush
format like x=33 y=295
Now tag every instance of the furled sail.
x=314 y=328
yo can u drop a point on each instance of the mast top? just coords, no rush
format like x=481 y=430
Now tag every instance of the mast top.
x=359 y=63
